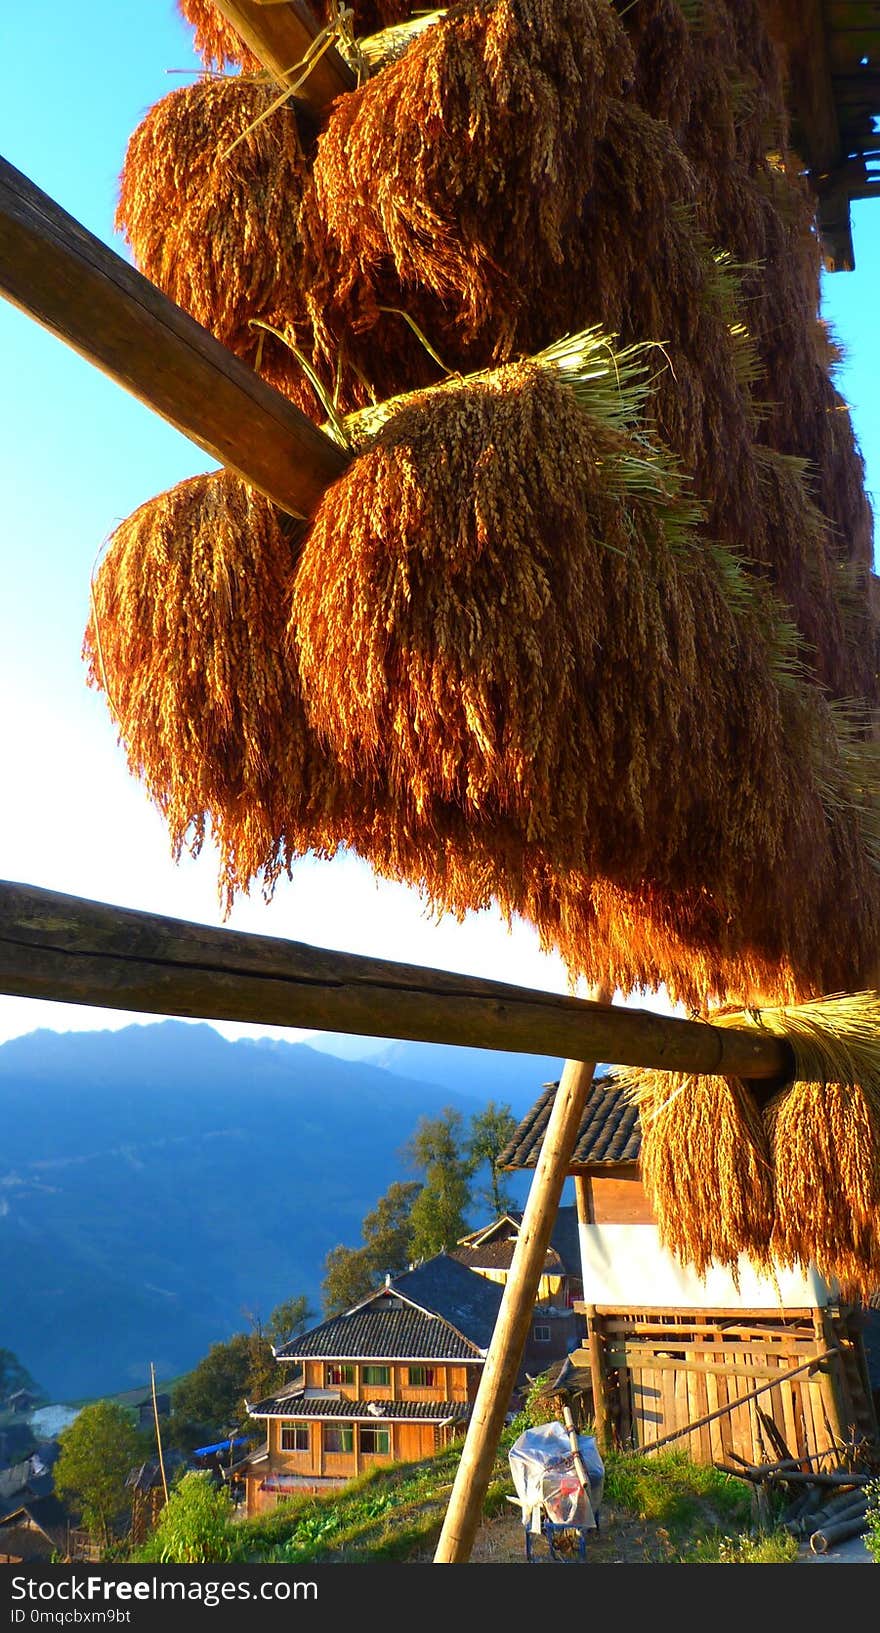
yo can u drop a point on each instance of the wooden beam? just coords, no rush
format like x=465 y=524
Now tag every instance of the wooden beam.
x=281 y=34
x=499 y=1374
x=74 y=951
x=61 y=275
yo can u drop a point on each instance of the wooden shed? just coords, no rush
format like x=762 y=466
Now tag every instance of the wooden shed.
x=667 y=1348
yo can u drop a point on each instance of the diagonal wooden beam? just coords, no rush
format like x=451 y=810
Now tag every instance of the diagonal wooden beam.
x=84 y=952
x=64 y=277
x=281 y=34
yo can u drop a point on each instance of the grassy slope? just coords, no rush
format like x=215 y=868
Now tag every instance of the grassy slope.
x=688 y=1513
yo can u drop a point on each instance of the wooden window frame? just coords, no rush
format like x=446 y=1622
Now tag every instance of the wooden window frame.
x=295 y=1429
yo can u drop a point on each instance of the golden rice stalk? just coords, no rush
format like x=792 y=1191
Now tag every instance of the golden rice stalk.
x=705 y=1163
x=496 y=609
x=187 y=638
x=824 y=1131
x=216 y=41
x=218 y=231
x=220 y=46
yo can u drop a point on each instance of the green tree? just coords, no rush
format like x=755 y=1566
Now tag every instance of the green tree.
x=352 y=1273
x=438 y=1215
x=98 y=1450
x=288 y=1319
x=195 y=1526
x=211 y=1399
x=348 y=1277
x=490 y=1132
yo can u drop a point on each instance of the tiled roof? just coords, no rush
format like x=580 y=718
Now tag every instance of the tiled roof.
x=304 y=1407
x=609 y=1131
x=445 y=1313
x=499 y=1256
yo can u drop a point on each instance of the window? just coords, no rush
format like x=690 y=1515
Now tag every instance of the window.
x=339 y=1375
x=542 y=1334
x=294 y=1437
x=338 y=1439
x=374 y=1440
x=377 y=1375
x=421 y=1377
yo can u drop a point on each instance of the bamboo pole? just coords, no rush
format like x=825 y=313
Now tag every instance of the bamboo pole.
x=84 y=952
x=158 y=1430
x=517 y=1308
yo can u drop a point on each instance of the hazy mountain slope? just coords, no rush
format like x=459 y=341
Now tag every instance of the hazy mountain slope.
x=156 y=1181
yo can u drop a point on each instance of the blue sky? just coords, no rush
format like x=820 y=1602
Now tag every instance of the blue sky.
x=77 y=455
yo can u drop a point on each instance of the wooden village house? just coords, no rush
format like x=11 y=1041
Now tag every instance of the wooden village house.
x=556 y=1327
x=390 y=1380
x=667 y=1348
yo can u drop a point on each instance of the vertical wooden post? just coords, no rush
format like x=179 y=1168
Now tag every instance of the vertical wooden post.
x=508 y=1340
x=158 y=1430
x=830 y=1379
x=597 y=1373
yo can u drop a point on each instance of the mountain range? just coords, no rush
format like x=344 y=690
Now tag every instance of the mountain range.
x=159 y=1184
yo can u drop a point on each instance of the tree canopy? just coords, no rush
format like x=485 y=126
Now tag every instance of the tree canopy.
x=98 y=1451
x=417 y=1218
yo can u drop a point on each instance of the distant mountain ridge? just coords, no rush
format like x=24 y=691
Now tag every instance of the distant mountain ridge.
x=159 y=1180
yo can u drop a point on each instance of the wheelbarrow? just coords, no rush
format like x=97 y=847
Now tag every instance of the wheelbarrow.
x=559 y=1478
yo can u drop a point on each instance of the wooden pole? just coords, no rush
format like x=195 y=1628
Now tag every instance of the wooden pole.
x=158 y=1430
x=515 y=1315
x=597 y=1374
x=281 y=35
x=72 y=284
x=84 y=952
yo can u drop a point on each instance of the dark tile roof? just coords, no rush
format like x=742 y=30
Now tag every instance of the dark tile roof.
x=499 y=1256
x=609 y=1132
x=453 y=1320
x=305 y=1407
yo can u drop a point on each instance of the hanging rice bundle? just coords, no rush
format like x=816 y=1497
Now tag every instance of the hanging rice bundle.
x=216 y=227
x=798 y=1184
x=186 y=639
x=705 y=1163
x=824 y=1131
x=449 y=184
x=497 y=609
x=218 y=44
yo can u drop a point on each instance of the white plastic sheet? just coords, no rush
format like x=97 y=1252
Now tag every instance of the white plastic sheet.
x=543 y=1469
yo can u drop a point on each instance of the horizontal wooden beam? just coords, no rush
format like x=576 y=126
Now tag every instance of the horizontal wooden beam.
x=64 y=277
x=84 y=952
x=281 y=34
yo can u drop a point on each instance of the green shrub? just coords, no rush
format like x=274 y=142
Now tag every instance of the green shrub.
x=872 y=1532
x=195 y=1527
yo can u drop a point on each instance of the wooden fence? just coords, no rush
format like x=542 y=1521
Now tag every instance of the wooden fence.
x=656 y=1374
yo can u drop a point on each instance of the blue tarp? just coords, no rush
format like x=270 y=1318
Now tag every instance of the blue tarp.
x=219 y=1446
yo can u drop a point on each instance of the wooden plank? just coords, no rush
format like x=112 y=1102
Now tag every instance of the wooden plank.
x=728 y=1369
x=734 y=1404
x=281 y=35
x=72 y=284
x=84 y=952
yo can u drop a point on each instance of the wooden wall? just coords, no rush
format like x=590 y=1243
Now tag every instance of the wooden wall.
x=613 y=1197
